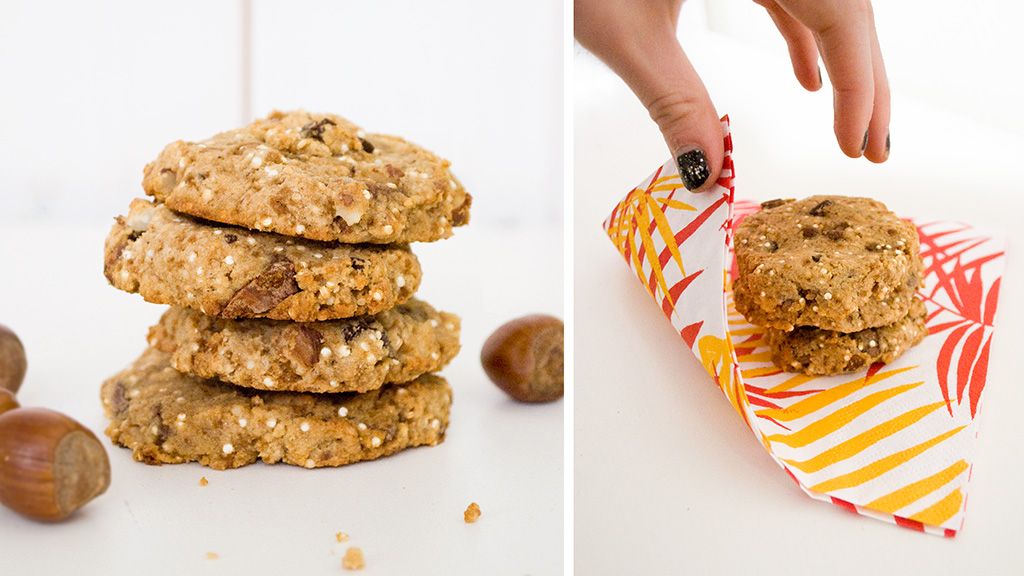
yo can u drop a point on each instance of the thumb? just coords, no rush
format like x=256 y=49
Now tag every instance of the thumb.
x=668 y=86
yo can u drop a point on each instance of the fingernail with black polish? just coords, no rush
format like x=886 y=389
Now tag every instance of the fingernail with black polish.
x=693 y=168
x=864 y=146
x=886 y=145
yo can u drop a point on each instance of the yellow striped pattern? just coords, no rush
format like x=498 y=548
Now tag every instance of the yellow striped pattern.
x=820 y=428
x=881 y=466
x=902 y=497
x=942 y=510
x=789 y=384
x=825 y=398
x=861 y=442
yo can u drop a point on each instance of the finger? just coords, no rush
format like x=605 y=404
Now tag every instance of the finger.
x=646 y=54
x=878 y=131
x=680 y=105
x=803 y=51
x=668 y=86
x=846 y=51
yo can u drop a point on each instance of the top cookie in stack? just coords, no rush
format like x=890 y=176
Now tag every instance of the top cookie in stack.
x=314 y=176
x=834 y=279
x=283 y=248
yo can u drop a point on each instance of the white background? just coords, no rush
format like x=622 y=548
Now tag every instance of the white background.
x=668 y=479
x=961 y=57
x=92 y=91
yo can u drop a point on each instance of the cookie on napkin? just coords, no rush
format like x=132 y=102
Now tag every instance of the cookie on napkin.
x=833 y=262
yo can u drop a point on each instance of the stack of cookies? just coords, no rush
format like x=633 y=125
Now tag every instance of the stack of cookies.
x=293 y=335
x=833 y=279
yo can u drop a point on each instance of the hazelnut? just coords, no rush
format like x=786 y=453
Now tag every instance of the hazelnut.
x=12 y=360
x=7 y=401
x=50 y=465
x=524 y=358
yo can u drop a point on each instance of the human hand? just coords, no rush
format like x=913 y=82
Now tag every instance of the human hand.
x=637 y=40
x=843 y=33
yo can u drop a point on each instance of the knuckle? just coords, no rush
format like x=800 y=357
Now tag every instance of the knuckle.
x=672 y=110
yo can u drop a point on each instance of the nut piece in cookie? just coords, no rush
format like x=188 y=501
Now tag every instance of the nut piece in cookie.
x=834 y=262
x=263 y=292
x=315 y=176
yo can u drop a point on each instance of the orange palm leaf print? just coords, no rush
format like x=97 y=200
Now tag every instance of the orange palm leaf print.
x=956 y=261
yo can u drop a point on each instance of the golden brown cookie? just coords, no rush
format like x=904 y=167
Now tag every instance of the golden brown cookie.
x=353 y=354
x=824 y=352
x=165 y=416
x=316 y=176
x=171 y=258
x=834 y=262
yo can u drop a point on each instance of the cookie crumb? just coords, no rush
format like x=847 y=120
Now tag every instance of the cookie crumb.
x=472 y=513
x=203 y=481
x=341 y=536
x=353 y=559
x=212 y=555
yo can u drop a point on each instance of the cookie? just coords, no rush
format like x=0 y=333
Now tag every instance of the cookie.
x=824 y=352
x=834 y=262
x=316 y=176
x=171 y=258
x=356 y=354
x=165 y=416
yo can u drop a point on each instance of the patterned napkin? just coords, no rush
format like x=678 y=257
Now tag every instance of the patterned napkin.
x=895 y=442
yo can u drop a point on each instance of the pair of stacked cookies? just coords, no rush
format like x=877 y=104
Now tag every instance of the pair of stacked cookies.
x=833 y=279
x=293 y=334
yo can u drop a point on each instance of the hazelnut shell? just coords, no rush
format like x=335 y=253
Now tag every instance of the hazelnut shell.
x=12 y=360
x=7 y=401
x=50 y=465
x=525 y=358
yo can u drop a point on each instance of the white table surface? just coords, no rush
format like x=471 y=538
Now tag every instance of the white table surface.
x=668 y=479
x=405 y=512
